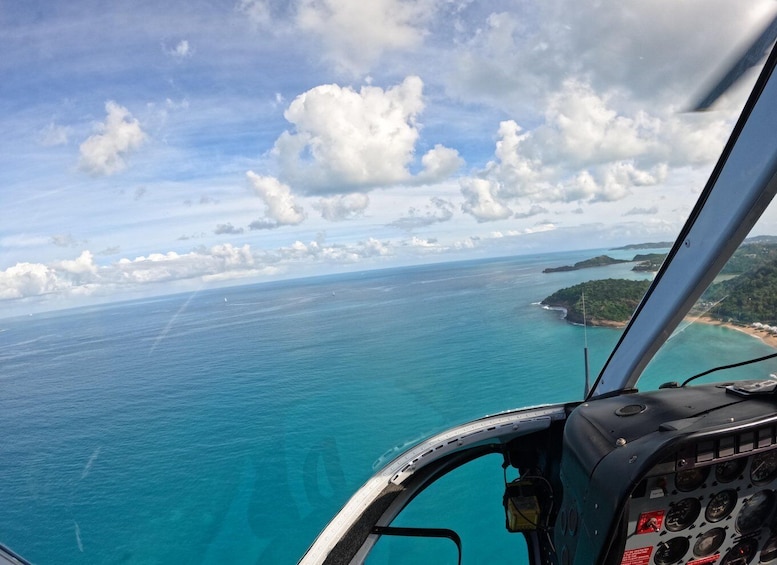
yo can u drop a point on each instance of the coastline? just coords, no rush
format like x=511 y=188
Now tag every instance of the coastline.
x=766 y=337
x=591 y=323
x=597 y=323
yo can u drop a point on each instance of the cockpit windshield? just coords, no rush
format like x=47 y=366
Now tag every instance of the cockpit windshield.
x=252 y=251
x=734 y=321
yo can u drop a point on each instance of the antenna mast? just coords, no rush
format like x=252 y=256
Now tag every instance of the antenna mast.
x=585 y=351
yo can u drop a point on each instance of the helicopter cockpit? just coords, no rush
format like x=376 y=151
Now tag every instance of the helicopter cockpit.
x=681 y=474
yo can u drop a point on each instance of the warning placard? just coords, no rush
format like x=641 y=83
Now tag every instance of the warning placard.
x=650 y=522
x=639 y=556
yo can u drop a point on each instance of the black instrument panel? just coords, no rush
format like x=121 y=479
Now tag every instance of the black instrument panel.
x=688 y=478
x=720 y=512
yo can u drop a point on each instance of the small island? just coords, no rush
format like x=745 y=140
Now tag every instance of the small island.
x=649 y=262
x=655 y=245
x=608 y=302
x=600 y=261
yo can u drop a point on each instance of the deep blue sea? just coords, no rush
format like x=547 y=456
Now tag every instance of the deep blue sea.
x=228 y=426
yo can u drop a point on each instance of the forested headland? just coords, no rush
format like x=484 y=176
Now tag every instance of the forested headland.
x=745 y=293
x=607 y=302
x=745 y=299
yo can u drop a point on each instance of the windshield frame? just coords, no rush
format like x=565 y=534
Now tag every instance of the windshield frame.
x=741 y=186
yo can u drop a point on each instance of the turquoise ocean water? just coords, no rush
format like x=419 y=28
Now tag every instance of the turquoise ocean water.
x=228 y=426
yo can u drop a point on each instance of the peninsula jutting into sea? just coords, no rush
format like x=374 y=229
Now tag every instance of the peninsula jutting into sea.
x=743 y=297
x=606 y=302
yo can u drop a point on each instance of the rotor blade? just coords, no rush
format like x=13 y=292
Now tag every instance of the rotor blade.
x=757 y=51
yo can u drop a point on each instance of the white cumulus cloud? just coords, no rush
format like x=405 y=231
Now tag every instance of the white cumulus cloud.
x=509 y=60
x=351 y=35
x=103 y=153
x=345 y=139
x=481 y=202
x=346 y=142
x=279 y=202
x=27 y=279
x=342 y=206
x=83 y=264
x=356 y=33
x=582 y=125
x=586 y=150
x=335 y=253
x=439 y=164
x=159 y=267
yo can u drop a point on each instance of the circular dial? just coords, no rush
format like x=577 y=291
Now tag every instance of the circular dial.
x=764 y=467
x=742 y=553
x=754 y=512
x=710 y=542
x=769 y=551
x=721 y=505
x=670 y=551
x=691 y=478
x=682 y=514
x=727 y=471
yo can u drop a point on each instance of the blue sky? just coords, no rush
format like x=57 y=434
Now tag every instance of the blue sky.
x=151 y=147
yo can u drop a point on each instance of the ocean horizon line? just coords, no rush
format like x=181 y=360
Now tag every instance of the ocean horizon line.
x=42 y=307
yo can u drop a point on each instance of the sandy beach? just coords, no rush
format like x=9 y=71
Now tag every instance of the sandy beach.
x=766 y=337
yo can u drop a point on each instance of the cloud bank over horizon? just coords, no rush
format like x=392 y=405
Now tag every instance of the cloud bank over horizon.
x=316 y=135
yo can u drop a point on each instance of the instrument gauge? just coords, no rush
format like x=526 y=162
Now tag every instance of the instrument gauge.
x=769 y=551
x=764 y=467
x=755 y=510
x=721 y=505
x=727 y=471
x=691 y=479
x=682 y=514
x=710 y=542
x=671 y=551
x=742 y=553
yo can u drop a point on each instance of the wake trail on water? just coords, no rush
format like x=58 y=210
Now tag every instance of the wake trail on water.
x=90 y=462
x=78 y=536
x=169 y=325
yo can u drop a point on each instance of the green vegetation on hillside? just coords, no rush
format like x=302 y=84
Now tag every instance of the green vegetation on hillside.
x=747 y=298
x=751 y=294
x=749 y=257
x=607 y=302
x=748 y=295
